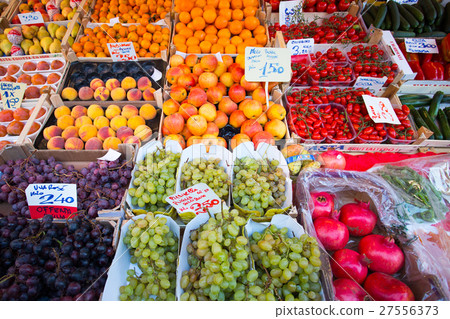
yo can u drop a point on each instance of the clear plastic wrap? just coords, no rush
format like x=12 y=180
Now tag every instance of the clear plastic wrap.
x=346 y=187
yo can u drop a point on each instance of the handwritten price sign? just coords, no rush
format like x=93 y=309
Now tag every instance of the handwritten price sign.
x=58 y=200
x=31 y=18
x=414 y=45
x=122 y=51
x=196 y=199
x=287 y=10
x=380 y=109
x=300 y=46
x=12 y=94
x=267 y=64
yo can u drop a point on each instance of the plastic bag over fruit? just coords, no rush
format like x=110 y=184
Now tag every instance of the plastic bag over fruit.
x=347 y=186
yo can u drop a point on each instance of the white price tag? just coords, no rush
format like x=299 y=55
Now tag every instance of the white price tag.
x=407 y=1
x=301 y=46
x=114 y=20
x=31 y=18
x=414 y=45
x=373 y=84
x=196 y=199
x=58 y=200
x=287 y=9
x=110 y=156
x=268 y=64
x=12 y=94
x=380 y=109
x=122 y=51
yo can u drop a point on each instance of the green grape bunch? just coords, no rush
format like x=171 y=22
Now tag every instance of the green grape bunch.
x=154 y=249
x=287 y=268
x=258 y=184
x=207 y=171
x=218 y=256
x=154 y=180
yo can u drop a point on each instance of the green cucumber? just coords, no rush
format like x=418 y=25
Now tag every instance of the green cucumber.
x=428 y=10
x=381 y=15
x=418 y=119
x=433 y=34
x=447 y=113
x=446 y=20
x=373 y=11
x=415 y=12
x=433 y=127
x=417 y=103
x=439 y=9
x=395 y=15
x=404 y=24
x=404 y=34
x=388 y=22
x=368 y=20
x=414 y=97
x=443 y=124
x=408 y=16
x=435 y=104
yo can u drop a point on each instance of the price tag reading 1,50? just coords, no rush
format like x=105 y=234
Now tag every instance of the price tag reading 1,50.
x=12 y=94
x=58 y=200
x=31 y=18
x=267 y=64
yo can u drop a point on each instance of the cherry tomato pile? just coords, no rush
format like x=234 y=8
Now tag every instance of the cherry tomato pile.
x=312 y=95
x=328 y=6
x=330 y=74
x=305 y=121
x=331 y=55
x=401 y=132
x=361 y=53
x=336 y=123
x=334 y=29
x=300 y=74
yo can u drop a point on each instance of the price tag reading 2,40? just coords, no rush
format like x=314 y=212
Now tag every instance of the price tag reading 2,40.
x=267 y=64
x=122 y=51
x=58 y=200
x=196 y=199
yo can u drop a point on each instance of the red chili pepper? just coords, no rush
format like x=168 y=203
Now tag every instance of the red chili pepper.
x=433 y=71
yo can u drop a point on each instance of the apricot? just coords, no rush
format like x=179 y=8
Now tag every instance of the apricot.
x=117 y=122
x=132 y=140
x=43 y=66
x=128 y=83
x=29 y=66
x=94 y=143
x=101 y=94
x=96 y=83
x=105 y=132
x=82 y=120
x=134 y=95
x=3 y=131
x=143 y=132
x=70 y=131
x=95 y=111
x=15 y=128
x=74 y=143
x=21 y=114
x=135 y=121
x=24 y=78
x=56 y=143
x=85 y=93
x=32 y=92
x=111 y=142
x=112 y=111
x=6 y=116
x=53 y=78
x=123 y=132
x=38 y=79
x=118 y=94
x=61 y=110
x=87 y=131
x=13 y=69
x=147 y=112
x=65 y=121
x=69 y=93
x=101 y=121
x=56 y=65
x=111 y=84
x=78 y=111
x=144 y=83
x=9 y=78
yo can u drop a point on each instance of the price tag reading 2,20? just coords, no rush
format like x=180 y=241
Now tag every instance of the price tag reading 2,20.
x=267 y=64
x=196 y=199
x=122 y=51
x=58 y=200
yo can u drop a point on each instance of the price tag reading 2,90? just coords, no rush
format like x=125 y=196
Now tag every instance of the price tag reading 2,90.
x=58 y=200
x=267 y=64
x=197 y=199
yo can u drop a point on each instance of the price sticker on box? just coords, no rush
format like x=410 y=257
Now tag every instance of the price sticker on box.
x=370 y=83
x=31 y=18
x=414 y=45
x=122 y=51
x=267 y=64
x=12 y=94
x=287 y=10
x=301 y=46
x=113 y=21
x=58 y=200
x=197 y=199
x=380 y=109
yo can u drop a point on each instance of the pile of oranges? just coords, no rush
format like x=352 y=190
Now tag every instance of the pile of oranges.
x=148 y=40
x=211 y=26
x=131 y=11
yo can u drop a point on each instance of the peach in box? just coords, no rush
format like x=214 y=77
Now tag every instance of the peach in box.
x=100 y=122
x=85 y=93
x=65 y=121
x=147 y=95
x=117 y=122
x=52 y=131
x=105 y=132
x=62 y=110
x=143 y=132
x=118 y=94
x=134 y=95
x=123 y=132
x=197 y=97
x=111 y=84
x=95 y=111
x=69 y=94
x=78 y=111
x=82 y=120
x=96 y=83
x=128 y=83
x=94 y=143
x=129 y=111
x=112 y=111
x=101 y=94
x=69 y=132
x=87 y=131
x=56 y=143
x=147 y=111
x=132 y=140
x=144 y=83
x=74 y=143
x=111 y=142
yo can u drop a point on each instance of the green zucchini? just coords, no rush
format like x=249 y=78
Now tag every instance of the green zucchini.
x=417 y=103
x=394 y=14
x=408 y=16
x=443 y=124
x=438 y=7
x=432 y=34
x=446 y=20
x=404 y=24
x=418 y=119
x=428 y=10
x=373 y=11
x=388 y=22
x=433 y=127
x=404 y=34
x=368 y=20
x=415 y=12
x=381 y=15
x=435 y=104
x=414 y=97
